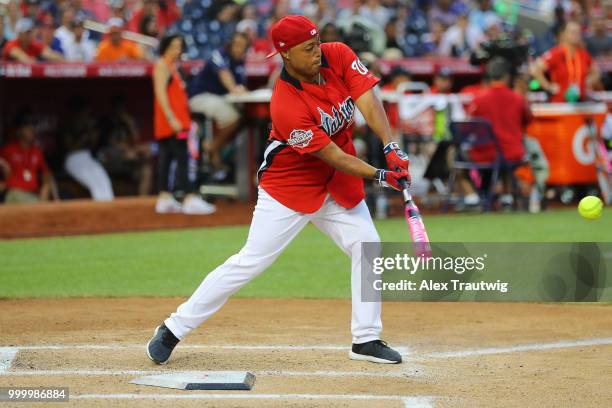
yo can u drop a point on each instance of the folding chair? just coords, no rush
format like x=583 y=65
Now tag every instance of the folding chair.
x=467 y=137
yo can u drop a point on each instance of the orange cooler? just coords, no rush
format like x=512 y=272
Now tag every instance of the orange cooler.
x=563 y=134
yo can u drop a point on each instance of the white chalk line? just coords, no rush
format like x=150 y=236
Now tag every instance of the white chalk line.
x=414 y=402
x=519 y=348
x=7 y=355
x=401 y=349
x=69 y=372
x=404 y=350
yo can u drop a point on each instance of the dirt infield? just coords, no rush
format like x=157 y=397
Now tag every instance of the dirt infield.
x=123 y=214
x=458 y=354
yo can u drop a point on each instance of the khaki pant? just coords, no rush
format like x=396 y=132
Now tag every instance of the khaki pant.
x=215 y=107
x=17 y=196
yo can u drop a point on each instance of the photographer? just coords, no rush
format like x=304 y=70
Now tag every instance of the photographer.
x=514 y=49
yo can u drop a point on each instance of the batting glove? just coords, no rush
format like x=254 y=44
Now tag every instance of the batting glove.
x=387 y=178
x=396 y=157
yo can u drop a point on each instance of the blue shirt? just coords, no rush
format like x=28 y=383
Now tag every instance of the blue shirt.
x=208 y=81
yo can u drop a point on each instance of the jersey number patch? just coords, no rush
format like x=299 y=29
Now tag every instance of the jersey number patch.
x=300 y=138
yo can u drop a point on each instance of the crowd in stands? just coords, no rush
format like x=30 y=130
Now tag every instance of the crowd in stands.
x=54 y=30
x=225 y=33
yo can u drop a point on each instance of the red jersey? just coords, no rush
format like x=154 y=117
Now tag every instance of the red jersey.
x=307 y=117
x=25 y=164
x=34 y=50
x=509 y=114
x=179 y=103
x=565 y=69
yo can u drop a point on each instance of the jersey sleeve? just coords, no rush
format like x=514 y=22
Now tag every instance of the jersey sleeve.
x=298 y=129
x=354 y=74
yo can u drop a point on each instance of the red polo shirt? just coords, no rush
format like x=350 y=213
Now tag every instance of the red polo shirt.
x=565 y=69
x=25 y=164
x=307 y=117
x=34 y=50
x=509 y=114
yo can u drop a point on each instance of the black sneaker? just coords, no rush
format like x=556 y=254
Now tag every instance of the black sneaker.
x=161 y=345
x=375 y=351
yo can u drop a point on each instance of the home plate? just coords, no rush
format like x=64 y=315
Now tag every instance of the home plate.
x=200 y=380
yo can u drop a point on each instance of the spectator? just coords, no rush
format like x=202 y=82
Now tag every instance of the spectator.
x=64 y=31
x=509 y=113
x=433 y=39
x=32 y=10
x=25 y=48
x=480 y=15
x=224 y=73
x=375 y=12
x=493 y=29
x=2 y=35
x=330 y=33
x=569 y=67
x=397 y=76
x=414 y=30
x=321 y=11
x=115 y=47
x=45 y=33
x=460 y=38
x=391 y=32
x=446 y=11
x=599 y=42
x=24 y=167
x=260 y=47
x=13 y=14
x=148 y=26
x=80 y=137
x=442 y=81
x=164 y=13
x=79 y=47
x=121 y=153
x=172 y=122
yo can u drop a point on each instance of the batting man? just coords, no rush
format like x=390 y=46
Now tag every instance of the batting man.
x=309 y=174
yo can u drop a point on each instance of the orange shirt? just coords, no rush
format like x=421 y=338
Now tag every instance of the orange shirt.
x=179 y=103
x=108 y=52
x=565 y=69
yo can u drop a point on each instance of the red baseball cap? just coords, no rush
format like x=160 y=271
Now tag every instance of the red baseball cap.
x=290 y=31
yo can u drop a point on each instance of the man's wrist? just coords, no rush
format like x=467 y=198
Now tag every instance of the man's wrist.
x=379 y=175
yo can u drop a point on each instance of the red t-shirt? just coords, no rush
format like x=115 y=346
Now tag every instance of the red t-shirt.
x=509 y=114
x=25 y=164
x=307 y=117
x=33 y=50
x=565 y=70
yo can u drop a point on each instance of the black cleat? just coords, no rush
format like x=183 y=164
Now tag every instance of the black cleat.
x=161 y=345
x=375 y=351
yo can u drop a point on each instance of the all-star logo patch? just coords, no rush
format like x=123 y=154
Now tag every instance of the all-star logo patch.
x=300 y=138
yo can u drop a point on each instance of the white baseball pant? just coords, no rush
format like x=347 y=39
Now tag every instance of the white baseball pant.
x=81 y=165
x=273 y=227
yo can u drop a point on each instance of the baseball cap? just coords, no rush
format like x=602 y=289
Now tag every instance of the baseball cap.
x=24 y=25
x=115 y=24
x=290 y=31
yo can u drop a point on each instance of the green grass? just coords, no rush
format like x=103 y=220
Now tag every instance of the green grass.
x=173 y=263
